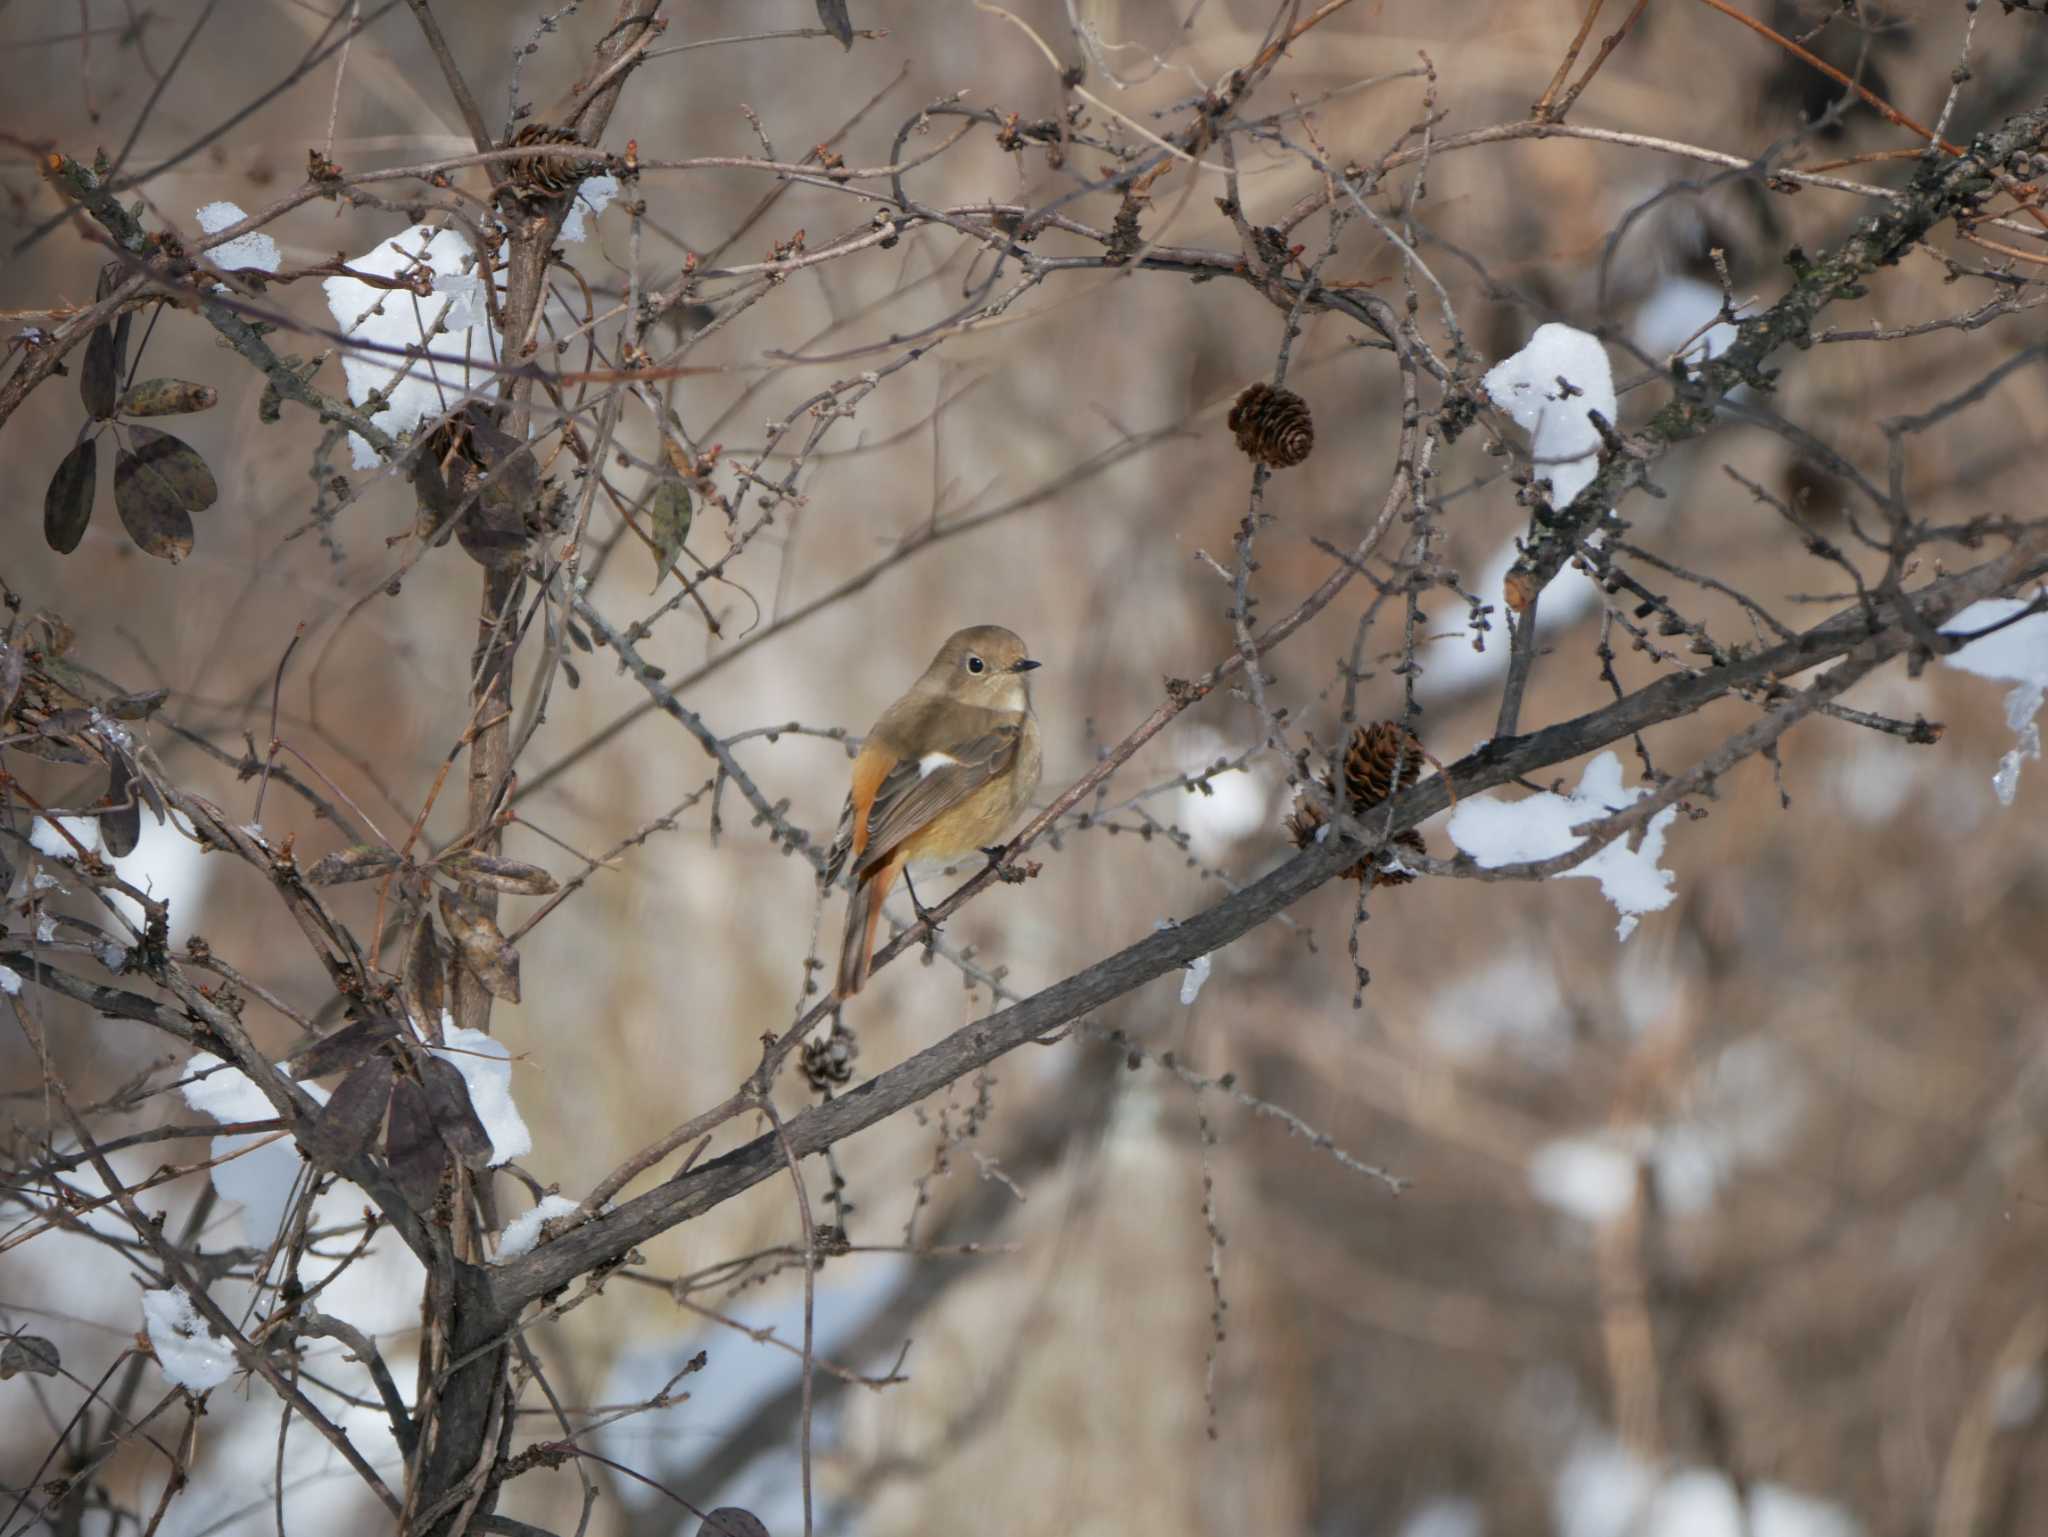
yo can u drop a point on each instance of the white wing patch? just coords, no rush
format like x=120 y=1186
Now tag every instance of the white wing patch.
x=932 y=762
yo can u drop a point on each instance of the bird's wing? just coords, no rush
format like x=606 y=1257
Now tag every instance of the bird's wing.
x=915 y=790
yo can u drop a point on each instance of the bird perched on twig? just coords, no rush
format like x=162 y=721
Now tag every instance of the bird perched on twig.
x=944 y=773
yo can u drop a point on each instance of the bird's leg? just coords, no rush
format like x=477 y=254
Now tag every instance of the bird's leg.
x=924 y=914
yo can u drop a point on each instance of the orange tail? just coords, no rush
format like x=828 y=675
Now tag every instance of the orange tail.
x=863 y=916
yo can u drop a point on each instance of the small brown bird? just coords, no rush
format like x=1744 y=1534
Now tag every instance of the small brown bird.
x=944 y=772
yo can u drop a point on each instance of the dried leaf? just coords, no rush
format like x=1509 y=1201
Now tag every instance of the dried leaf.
x=179 y=464
x=30 y=1353
x=136 y=706
x=347 y=1127
x=426 y=995
x=417 y=1155
x=569 y=671
x=494 y=532
x=454 y=1116
x=669 y=514
x=482 y=946
x=151 y=509
x=357 y=862
x=731 y=1521
x=168 y=397
x=833 y=15
x=99 y=380
x=67 y=501
x=121 y=823
x=509 y=875
x=344 y=1048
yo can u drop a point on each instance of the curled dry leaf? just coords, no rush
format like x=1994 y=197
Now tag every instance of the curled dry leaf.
x=417 y=1155
x=121 y=822
x=151 y=510
x=669 y=514
x=30 y=1353
x=67 y=501
x=343 y=1048
x=483 y=947
x=426 y=995
x=136 y=706
x=178 y=462
x=507 y=875
x=168 y=397
x=348 y=1122
x=454 y=1116
x=357 y=862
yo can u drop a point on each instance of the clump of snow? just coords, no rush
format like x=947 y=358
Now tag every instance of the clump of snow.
x=1605 y=1490
x=1672 y=318
x=593 y=196
x=1514 y=1003
x=1197 y=974
x=191 y=1356
x=1548 y=387
x=1498 y=832
x=1234 y=805
x=416 y=388
x=168 y=863
x=10 y=981
x=256 y=249
x=259 y=1171
x=2017 y=654
x=1452 y=1515
x=1450 y=665
x=486 y=1067
x=523 y=1231
x=1592 y=1180
x=46 y=839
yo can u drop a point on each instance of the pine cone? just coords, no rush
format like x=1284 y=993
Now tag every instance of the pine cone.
x=1272 y=426
x=543 y=178
x=1382 y=760
x=828 y=1063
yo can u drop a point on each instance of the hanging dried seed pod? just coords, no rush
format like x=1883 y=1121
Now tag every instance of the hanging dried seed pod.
x=1272 y=426
x=543 y=178
x=1382 y=760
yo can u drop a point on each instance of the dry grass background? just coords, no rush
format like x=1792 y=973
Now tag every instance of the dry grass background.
x=1835 y=1034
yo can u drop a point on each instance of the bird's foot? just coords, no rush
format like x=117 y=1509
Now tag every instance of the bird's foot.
x=998 y=862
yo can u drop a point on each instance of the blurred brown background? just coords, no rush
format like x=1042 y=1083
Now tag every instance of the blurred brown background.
x=1737 y=1224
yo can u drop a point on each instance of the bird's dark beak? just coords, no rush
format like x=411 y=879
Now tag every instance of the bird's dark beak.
x=1025 y=666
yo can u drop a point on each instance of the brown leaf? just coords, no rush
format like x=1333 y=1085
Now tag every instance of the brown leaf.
x=121 y=823
x=178 y=462
x=417 y=1155
x=426 y=995
x=99 y=380
x=168 y=397
x=454 y=1116
x=669 y=515
x=482 y=946
x=344 y=1048
x=67 y=501
x=357 y=862
x=348 y=1122
x=136 y=706
x=731 y=1521
x=30 y=1353
x=508 y=875
x=151 y=509
x=1519 y=589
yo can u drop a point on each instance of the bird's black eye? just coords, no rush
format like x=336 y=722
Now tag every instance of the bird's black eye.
x=975 y=664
